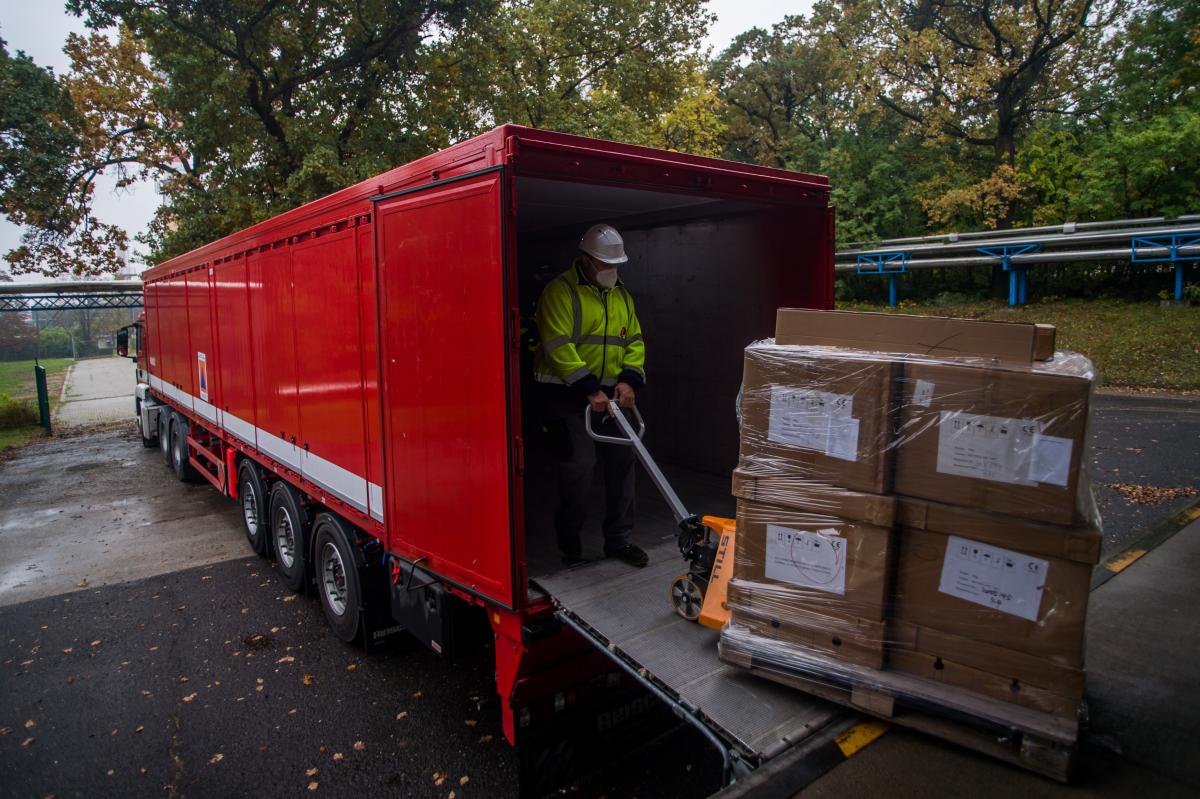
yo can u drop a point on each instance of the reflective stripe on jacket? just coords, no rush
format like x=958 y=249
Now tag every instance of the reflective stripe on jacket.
x=588 y=332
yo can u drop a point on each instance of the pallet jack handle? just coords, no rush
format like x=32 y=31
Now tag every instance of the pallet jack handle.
x=691 y=531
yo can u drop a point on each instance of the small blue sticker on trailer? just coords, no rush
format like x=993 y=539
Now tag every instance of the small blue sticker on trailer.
x=202 y=367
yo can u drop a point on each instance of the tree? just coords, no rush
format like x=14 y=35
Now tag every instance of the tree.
x=786 y=91
x=980 y=74
x=42 y=143
x=626 y=69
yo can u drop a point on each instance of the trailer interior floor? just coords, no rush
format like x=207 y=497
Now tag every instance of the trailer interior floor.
x=628 y=612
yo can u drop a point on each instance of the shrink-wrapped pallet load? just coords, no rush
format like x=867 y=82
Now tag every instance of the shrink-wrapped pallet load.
x=913 y=504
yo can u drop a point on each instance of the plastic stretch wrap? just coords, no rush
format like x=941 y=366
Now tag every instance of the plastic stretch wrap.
x=925 y=516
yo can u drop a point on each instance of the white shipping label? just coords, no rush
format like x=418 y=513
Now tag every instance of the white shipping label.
x=811 y=559
x=1051 y=461
x=923 y=393
x=993 y=577
x=986 y=447
x=815 y=420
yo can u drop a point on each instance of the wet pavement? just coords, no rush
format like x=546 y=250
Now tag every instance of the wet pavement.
x=99 y=509
x=97 y=391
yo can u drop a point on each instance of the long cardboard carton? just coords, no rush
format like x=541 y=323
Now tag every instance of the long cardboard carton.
x=929 y=336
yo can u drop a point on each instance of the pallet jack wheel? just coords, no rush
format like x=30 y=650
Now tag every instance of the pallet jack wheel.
x=686 y=597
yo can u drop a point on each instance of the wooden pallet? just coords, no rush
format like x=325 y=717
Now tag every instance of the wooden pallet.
x=1033 y=740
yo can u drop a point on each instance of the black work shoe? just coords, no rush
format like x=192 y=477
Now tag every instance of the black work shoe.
x=630 y=553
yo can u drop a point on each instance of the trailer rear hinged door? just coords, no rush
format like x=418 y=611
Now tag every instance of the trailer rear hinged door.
x=442 y=347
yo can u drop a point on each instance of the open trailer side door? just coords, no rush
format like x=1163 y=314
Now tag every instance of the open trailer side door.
x=448 y=457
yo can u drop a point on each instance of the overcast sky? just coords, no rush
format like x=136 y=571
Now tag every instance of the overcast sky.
x=40 y=27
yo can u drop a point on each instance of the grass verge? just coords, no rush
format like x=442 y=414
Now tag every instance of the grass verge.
x=1134 y=344
x=16 y=378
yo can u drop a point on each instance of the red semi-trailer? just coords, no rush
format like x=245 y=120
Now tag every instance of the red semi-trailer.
x=355 y=373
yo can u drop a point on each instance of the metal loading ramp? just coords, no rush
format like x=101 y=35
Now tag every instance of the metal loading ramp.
x=627 y=612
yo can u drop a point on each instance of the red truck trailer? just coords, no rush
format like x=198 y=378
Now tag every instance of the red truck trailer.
x=355 y=373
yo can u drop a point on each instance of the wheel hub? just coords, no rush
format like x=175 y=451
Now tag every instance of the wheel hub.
x=333 y=578
x=250 y=509
x=285 y=539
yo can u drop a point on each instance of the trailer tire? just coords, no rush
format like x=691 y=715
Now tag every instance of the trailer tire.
x=164 y=435
x=336 y=572
x=256 y=517
x=289 y=534
x=179 y=450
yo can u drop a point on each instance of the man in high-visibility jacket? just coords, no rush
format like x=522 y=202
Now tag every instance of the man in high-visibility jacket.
x=590 y=348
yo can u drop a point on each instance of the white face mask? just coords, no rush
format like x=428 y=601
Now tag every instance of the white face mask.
x=606 y=277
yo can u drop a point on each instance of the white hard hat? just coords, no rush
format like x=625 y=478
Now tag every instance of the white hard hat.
x=604 y=243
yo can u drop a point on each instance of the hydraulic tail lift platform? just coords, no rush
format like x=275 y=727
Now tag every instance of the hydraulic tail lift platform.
x=634 y=616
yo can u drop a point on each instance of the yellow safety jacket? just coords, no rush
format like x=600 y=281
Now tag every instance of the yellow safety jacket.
x=589 y=336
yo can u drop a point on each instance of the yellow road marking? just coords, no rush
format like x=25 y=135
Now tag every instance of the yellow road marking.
x=1192 y=513
x=858 y=736
x=1122 y=561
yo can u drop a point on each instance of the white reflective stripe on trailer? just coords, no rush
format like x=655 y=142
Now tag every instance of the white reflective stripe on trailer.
x=342 y=483
x=375 y=500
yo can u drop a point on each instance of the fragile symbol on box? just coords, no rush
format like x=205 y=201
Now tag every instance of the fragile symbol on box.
x=810 y=559
x=996 y=578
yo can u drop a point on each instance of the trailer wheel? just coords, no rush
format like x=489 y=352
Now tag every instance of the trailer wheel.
x=289 y=532
x=337 y=576
x=256 y=520
x=164 y=435
x=179 y=453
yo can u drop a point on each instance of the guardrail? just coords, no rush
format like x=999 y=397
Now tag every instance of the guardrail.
x=1153 y=240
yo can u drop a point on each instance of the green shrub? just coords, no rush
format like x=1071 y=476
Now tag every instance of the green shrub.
x=16 y=413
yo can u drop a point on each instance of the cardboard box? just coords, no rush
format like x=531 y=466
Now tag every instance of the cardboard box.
x=819 y=414
x=929 y=336
x=1080 y=543
x=1002 y=440
x=752 y=481
x=1031 y=604
x=982 y=682
x=791 y=560
x=985 y=656
x=855 y=641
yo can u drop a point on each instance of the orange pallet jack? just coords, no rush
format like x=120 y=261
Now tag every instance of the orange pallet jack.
x=707 y=543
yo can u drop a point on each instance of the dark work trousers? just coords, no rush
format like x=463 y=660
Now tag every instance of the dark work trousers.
x=577 y=456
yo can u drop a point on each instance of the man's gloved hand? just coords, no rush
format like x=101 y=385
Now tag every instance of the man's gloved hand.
x=625 y=395
x=598 y=402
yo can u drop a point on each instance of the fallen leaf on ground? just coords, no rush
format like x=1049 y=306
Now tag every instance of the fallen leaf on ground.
x=139 y=728
x=470 y=722
x=401 y=714
x=1150 y=495
x=337 y=756
x=68 y=650
x=27 y=742
x=485 y=739
x=110 y=772
x=309 y=679
x=189 y=697
x=463 y=780
x=312 y=786
x=96 y=642
x=352 y=667
x=183 y=679
x=292 y=712
x=286 y=659
x=217 y=758
x=439 y=777
x=416 y=695
x=289 y=598
x=29 y=725
x=312 y=772
x=5 y=730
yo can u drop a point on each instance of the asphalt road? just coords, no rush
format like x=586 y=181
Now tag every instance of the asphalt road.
x=1143 y=440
